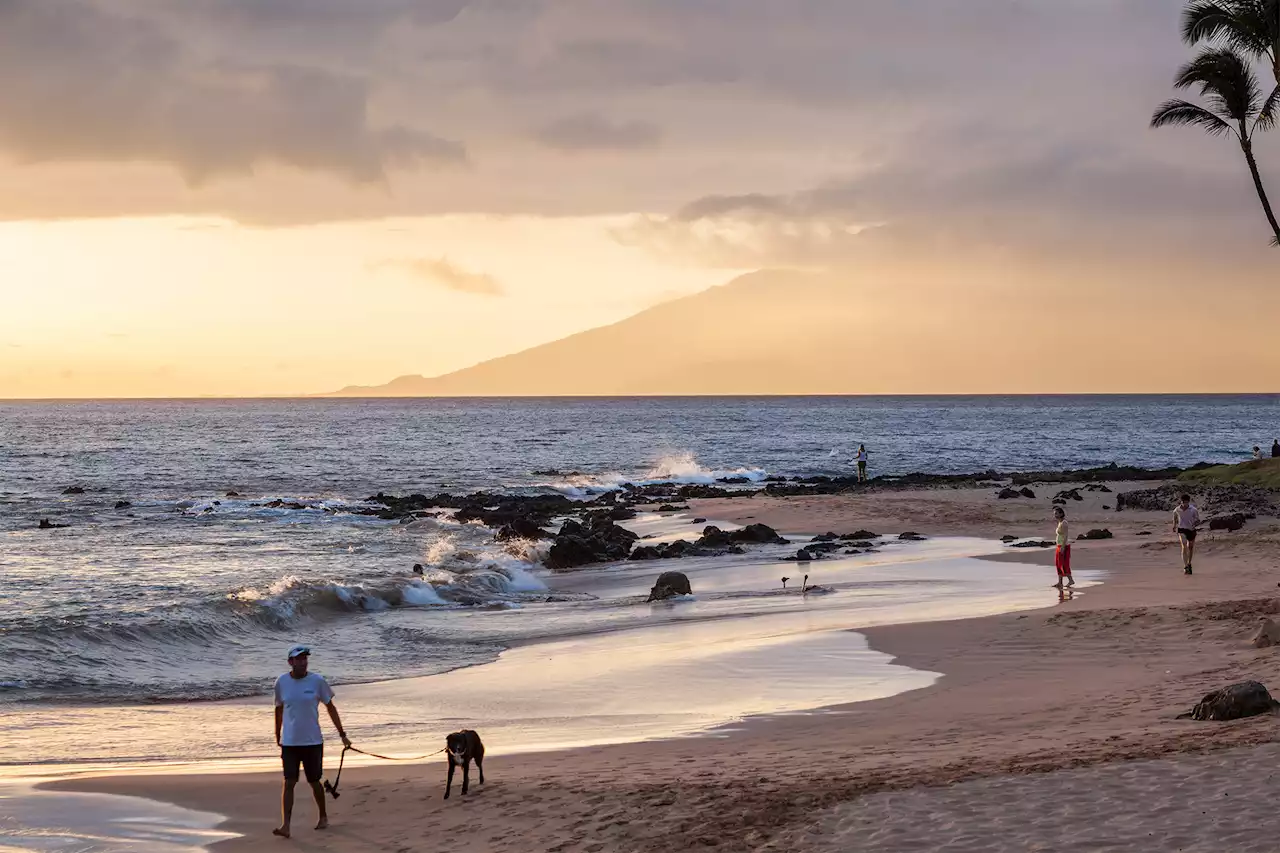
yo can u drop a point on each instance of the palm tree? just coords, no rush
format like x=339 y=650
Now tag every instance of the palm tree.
x=1236 y=108
x=1251 y=27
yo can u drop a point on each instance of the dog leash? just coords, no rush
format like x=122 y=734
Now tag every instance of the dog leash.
x=332 y=788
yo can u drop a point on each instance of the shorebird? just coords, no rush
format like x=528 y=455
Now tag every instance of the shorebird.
x=784 y=582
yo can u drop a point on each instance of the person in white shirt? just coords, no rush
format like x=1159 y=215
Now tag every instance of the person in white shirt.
x=298 y=697
x=861 y=458
x=1185 y=520
x=1257 y=452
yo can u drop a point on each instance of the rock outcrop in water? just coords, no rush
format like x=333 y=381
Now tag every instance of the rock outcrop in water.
x=669 y=585
x=596 y=539
x=46 y=524
x=1245 y=699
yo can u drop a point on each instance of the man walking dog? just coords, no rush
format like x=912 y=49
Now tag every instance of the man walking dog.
x=298 y=697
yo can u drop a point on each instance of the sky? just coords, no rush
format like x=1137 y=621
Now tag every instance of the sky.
x=248 y=197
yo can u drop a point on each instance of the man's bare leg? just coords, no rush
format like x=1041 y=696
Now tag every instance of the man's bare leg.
x=286 y=808
x=318 y=790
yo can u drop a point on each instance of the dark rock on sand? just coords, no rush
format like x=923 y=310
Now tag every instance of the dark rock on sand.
x=1007 y=538
x=699 y=521
x=1143 y=533
x=232 y=495
x=1230 y=523
x=1245 y=699
x=671 y=508
x=1032 y=543
x=802 y=556
x=596 y=539
x=123 y=504
x=73 y=490
x=858 y=536
x=1026 y=493
x=1217 y=500
x=1096 y=533
x=46 y=524
x=826 y=537
x=911 y=536
x=1068 y=495
x=669 y=585
x=1008 y=494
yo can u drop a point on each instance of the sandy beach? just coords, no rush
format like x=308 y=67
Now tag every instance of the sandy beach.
x=1050 y=729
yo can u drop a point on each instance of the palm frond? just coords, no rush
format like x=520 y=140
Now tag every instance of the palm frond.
x=1249 y=26
x=1267 y=116
x=1178 y=113
x=1225 y=79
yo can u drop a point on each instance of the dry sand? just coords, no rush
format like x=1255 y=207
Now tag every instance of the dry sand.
x=1051 y=730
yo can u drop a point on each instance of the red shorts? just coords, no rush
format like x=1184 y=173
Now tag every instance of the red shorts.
x=1062 y=561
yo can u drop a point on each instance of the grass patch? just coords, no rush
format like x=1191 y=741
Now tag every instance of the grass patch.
x=1255 y=472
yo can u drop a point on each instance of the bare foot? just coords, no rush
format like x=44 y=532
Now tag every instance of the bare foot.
x=1071 y=582
x=1057 y=585
x=282 y=831
x=323 y=824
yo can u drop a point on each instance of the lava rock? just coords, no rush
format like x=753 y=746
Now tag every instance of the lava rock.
x=671 y=508
x=1229 y=523
x=73 y=490
x=801 y=556
x=232 y=495
x=596 y=539
x=1068 y=495
x=858 y=536
x=46 y=524
x=1007 y=538
x=699 y=521
x=1096 y=533
x=123 y=504
x=1026 y=493
x=1032 y=543
x=911 y=536
x=669 y=585
x=1245 y=699
x=1008 y=494
x=521 y=528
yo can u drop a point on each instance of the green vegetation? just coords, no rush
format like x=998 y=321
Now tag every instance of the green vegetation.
x=1255 y=472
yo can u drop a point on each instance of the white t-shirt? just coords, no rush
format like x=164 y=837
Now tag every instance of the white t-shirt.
x=1186 y=519
x=862 y=456
x=301 y=698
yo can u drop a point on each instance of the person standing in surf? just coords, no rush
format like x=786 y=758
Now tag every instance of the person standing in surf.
x=298 y=697
x=861 y=458
x=1062 y=553
x=1185 y=520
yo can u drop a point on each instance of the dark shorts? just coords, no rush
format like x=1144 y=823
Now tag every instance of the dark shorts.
x=1189 y=535
x=862 y=466
x=310 y=757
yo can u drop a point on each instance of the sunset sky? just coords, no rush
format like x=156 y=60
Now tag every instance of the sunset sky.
x=245 y=197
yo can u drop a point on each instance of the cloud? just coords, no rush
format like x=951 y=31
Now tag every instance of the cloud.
x=444 y=273
x=84 y=84
x=589 y=131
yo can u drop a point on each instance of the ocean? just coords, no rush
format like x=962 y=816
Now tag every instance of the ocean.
x=238 y=538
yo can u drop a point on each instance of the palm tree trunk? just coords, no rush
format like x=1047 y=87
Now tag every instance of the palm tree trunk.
x=1246 y=145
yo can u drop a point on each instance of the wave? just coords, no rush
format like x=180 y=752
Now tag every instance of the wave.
x=677 y=469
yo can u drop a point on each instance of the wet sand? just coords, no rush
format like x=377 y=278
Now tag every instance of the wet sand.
x=1041 y=720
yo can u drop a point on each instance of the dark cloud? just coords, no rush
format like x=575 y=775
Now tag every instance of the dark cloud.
x=590 y=131
x=444 y=273
x=78 y=83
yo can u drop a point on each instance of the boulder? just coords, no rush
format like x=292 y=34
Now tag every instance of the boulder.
x=521 y=528
x=73 y=490
x=699 y=521
x=46 y=524
x=669 y=585
x=911 y=536
x=858 y=536
x=1026 y=493
x=1229 y=523
x=1007 y=494
x=667 y=551
x=1032 y=543
x=826 y=537
x=1068 y=495
x=232 y=495
x=761 y=534
x=1096 y=533
x=1007 y=538
x=801 y=556
x=1267 y=635
x=123 y=504
x=1245 y=699
x=671 y=508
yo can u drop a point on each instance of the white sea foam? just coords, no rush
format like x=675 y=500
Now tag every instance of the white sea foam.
x=681 y=469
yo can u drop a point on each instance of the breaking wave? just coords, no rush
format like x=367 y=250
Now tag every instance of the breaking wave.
x=676 y=469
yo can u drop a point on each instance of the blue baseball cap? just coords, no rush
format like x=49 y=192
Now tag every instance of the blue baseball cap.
x=299 y=650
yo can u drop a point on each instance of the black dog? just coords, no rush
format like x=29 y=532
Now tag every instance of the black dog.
x=462 y=747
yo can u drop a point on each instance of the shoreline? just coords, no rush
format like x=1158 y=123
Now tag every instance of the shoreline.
x=1140 y=647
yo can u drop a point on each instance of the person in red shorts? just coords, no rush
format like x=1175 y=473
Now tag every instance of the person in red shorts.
x=1062 y=554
